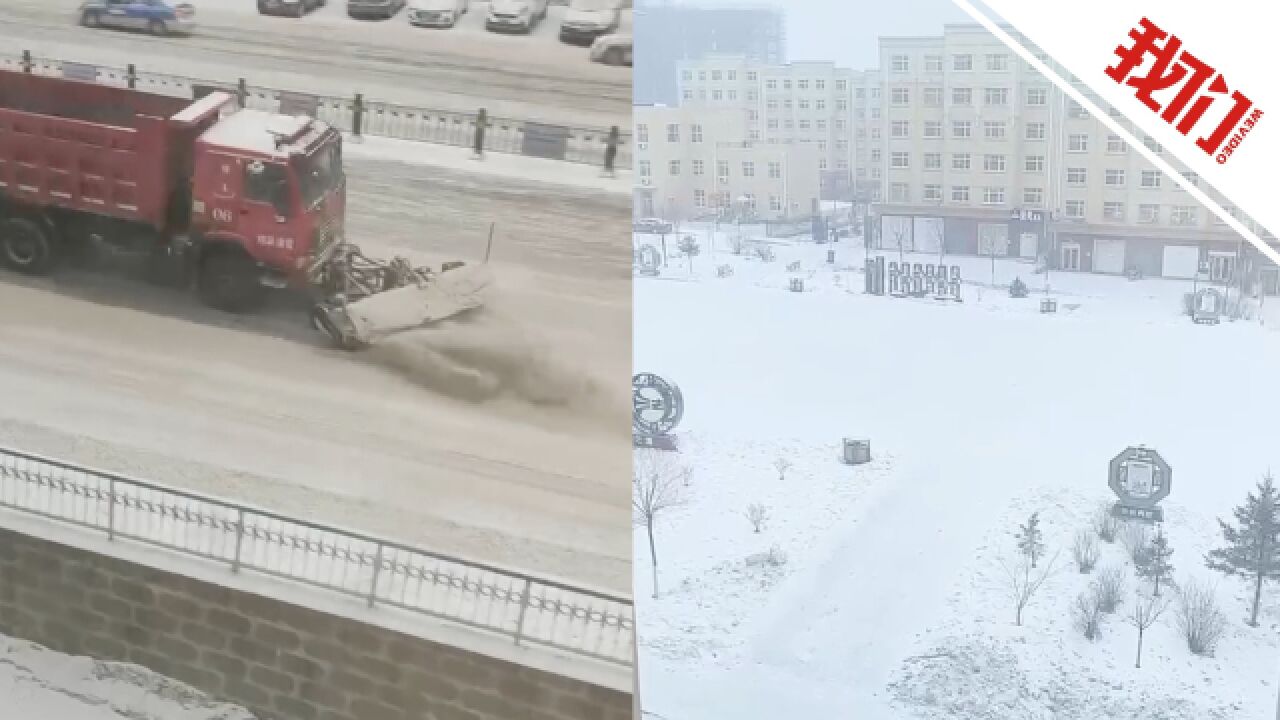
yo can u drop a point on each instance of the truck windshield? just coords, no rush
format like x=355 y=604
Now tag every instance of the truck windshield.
x=320 y=172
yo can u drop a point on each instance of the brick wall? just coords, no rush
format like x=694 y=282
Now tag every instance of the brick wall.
x=281 y=661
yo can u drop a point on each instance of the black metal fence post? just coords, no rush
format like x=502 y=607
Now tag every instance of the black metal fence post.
x=242 y=92
x=26 y=61
x=611 y=150
x=131 y=76
x=482 y=122
x=357 y=115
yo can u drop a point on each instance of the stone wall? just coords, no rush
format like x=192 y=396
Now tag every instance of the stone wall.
x=282 y=661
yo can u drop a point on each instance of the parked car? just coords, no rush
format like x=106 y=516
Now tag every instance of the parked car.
x=382 y=9
x=586 y=20
x=515 y=15
x=437 y=13
x=612 y=49
x=291 y=8
x=652 y=226
x=158 y=17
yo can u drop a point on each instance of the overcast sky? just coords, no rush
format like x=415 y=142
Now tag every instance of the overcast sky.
x=846 y=31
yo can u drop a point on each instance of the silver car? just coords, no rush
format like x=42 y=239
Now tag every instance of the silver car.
x=158 y=17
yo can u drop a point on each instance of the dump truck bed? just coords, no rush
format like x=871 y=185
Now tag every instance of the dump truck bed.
x=94 y=148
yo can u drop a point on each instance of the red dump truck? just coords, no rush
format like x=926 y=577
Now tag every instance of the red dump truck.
x=231 y=201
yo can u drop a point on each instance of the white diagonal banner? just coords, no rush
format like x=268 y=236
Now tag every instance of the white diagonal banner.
x=1191 y=74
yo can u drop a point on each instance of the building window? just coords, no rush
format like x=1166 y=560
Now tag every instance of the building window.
x=875 y=93
x=1113 y=210
x=1078 y=143
x=842 y=104
x=875 y=155
x=820 y=124
x=899 y=160
x=933 y=193
x=1037 y=96
x=875 y=173
x=1033 y=196
x=774 y=203
x=673 y=133
x=933 y=96
x=997 y=63
x=752 y=96
x=1115 y=144
x=1113 y=177
x=642 y=133
x=702 y=75
x=715 y=75
x=697 y=167
x=899 y=129
x=960 y=193
x=961 y=161
x=771 y=104
x=775 y=170
x=875 y=113
x=995 y=96
x=786 y=84
x=961 y=96
x=1148 y=213
x=900 y=63
x=962 y=63
x=993 y=130
x=722 y=170
x=644 y=168
x=1076 y=176
x=751 y=76
x=717 y=94
x=841 y=85
x=1034 y=164
x=820 y=104
x=804 y=124
x=803 y=103
x=688 y=94
x=961 y=129
x=686 y=75
x=673 y=167
x=1182 y=215
x=1151 y=179
x=730 y=75
x=993 y=196
x=771 y=84
x=731 y=94
x=822 y=165
x=933 y=63
x=860 y=94
x=899 y=192
x=1035 y=131
x=900 y=96
x=819 y=84
x=1074 y=208
x=695 y=133
x=933 y=161
x=875 y=133
x=932 y=128
x=994 y=163
x=802 y=84
x=700 y=198
x=748 y=169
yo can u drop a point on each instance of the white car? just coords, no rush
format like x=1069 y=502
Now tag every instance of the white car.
x=437 y=13
x=612 y=49
x=515 y=15
x=586 y=20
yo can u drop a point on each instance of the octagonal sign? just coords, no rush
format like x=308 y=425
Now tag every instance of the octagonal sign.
x=1140 y=477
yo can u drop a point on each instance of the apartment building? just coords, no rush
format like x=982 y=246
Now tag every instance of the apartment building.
x=695 y=162
x=981 y=154
x=799 y=103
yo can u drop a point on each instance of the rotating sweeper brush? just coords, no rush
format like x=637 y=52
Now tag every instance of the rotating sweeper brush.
x=366 y=300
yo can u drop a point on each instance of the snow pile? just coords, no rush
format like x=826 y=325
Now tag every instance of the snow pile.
x=39 y=684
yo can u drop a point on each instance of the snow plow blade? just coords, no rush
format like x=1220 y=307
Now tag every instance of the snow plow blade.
x=377 y=301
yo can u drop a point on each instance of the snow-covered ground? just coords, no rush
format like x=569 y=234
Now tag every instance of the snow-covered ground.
x=876 y=592
x=39 y=684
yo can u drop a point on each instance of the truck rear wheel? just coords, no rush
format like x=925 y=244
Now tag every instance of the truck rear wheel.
x=229 y=282
x=27 y=247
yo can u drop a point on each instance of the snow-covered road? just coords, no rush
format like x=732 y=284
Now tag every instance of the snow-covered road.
x=524 y=78
x=112 y=373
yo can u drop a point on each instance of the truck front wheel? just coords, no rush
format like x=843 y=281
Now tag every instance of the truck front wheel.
x=27 y=247
x=229 y=282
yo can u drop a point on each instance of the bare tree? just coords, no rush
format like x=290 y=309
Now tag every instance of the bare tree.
x=1136 y=539
x=1200 y=621
x=656 y=479
x=1085 y=551
x=1109 y=587
x=1023 y=581
x=1087 y=615
x=1146 y=611
x=1105 y=523
x=782 y=465
x=758 y=516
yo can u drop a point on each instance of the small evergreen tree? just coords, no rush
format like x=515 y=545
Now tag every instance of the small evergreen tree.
x=1252 y=547
x=1155 y=564
x=1031 y=538
x=689 y=247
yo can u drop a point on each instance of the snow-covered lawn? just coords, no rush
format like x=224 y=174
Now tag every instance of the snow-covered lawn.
x=876 y=592
x=39 y=684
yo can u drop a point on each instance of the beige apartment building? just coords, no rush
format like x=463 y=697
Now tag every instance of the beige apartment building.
x=981 y=154
x=697 y=161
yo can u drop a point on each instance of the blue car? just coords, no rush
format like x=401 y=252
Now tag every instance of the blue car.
x=158 y=17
